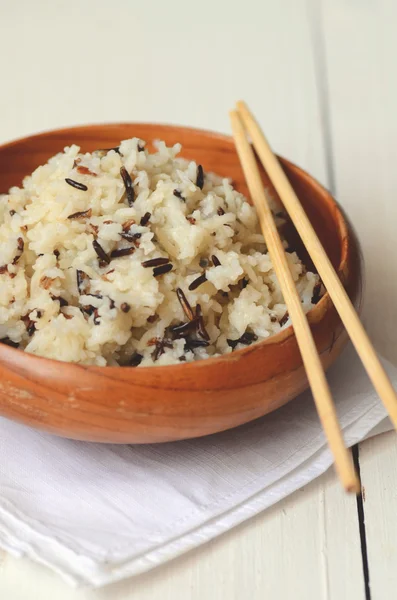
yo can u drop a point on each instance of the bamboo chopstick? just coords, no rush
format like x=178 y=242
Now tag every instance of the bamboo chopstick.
x=310 y=357
x=335 y=289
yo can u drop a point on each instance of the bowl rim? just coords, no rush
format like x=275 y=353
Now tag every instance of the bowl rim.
x=279 y=337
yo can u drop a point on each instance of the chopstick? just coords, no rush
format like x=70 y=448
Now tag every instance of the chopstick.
x=330 y=279
x=311 y=360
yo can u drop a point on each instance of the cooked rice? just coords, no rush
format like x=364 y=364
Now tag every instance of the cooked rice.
x=76 y=284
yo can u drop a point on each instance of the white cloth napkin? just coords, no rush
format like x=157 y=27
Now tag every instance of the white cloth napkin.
x=97 y=513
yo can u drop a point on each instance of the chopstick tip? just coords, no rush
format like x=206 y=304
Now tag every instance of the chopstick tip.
x=240 y=104
x=355 y=488
x=352 y=485
x=234 y=118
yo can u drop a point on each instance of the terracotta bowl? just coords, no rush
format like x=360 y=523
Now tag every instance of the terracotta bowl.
x=157 y=404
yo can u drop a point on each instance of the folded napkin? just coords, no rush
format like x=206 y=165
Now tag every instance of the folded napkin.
x=98 y=513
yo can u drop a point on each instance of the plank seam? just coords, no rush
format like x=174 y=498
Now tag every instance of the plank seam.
x=361 y=524
x=322 y=84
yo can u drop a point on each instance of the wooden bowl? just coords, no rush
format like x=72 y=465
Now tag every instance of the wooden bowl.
x=157 y=404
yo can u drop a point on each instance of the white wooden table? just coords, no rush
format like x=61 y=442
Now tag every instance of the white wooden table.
x=320 y=75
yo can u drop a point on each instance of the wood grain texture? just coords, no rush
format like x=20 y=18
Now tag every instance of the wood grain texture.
x=378 y=461
x=174 y=402
x=360 y=50
x=276 y=555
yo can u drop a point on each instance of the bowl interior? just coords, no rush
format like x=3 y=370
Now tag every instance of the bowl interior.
x=215 y=152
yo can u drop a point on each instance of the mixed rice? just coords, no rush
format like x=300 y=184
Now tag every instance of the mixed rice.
x=125 y=257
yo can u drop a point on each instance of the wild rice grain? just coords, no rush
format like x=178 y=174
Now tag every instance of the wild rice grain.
x=131 y=237
x=200 y=177
x=8 y=342
x=103 y=257
x=247 y=339
x=197 y=282
x=160 y=347
x=76 y=184
x=122 y=252
x=215 y=261
x=316 y=293
x=93 y=229
x=155 y=262
x=182 y=330
x=135 y=360
x=232 y=343
x=187 y=309
x=201 y=330
x=128 y=186
x=178 y=194
x=284 y=319
x=145 y=219
x=20 y=246
x=62 y=301
x=162 y=270
x=87 y=309
x=193 y=344
x=83 y=214
x=31 y=328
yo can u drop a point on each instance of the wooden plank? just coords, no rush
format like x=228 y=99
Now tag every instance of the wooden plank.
x=378 y=463
x=126 y=65
x=360 y=53
x=360 y=50
x=180 y=67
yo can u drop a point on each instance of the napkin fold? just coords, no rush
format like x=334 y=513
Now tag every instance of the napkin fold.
x=98 y=513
